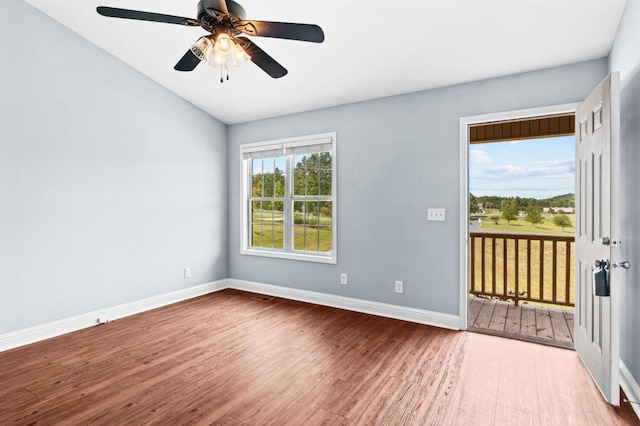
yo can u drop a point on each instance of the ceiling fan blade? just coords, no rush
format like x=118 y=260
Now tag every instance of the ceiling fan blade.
x=286 y=30
x=188 y=62
x=139 y=15
x=262 y=59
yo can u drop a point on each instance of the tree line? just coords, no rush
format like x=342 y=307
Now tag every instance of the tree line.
x=311 y=177
x=521 y=203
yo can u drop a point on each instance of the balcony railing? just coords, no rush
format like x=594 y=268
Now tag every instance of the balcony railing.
x=522 y=267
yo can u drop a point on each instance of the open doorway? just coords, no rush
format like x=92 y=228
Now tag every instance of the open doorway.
x=519 y=225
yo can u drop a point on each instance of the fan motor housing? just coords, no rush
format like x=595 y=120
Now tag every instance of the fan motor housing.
x=205 y=6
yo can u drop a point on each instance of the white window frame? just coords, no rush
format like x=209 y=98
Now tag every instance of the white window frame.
x=285 y=145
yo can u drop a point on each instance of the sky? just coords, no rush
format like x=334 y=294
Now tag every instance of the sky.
x=537 y=168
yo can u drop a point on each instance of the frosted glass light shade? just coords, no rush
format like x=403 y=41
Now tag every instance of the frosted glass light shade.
x=202 y=48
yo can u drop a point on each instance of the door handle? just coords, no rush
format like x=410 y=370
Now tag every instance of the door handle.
x=601 y=279
x=624 y=264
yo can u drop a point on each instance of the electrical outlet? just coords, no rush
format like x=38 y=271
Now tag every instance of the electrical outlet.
x=435 y=215
x=399 y=287
x=343 y=279
x=103 y=320
x=187 y=272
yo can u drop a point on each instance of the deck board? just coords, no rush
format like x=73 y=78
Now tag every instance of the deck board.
x=543 y=323
x=499 y=317
x=540 y=323
x=528 y=322
x=568 y=316
x=474 y=308
x=484 y=316
x=514 y=314
x=559 y=326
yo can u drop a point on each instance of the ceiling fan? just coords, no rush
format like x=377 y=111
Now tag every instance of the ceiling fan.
x=226 y=20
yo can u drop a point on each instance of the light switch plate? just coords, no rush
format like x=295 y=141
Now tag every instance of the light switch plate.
x=435 y=215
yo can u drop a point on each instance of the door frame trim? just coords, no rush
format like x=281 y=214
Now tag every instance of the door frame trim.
x=464 y=184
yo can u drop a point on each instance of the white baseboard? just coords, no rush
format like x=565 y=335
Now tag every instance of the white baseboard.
x=56 y=328
x=630 y=387
x=419 y=316
x=67 y=325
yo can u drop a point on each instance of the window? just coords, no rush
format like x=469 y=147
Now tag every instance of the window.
x=289 y=198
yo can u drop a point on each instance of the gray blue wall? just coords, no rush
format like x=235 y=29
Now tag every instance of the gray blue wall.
x=109 y=183
x=625 y=57
x=396 y=157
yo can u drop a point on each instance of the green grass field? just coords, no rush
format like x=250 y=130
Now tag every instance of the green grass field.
x=547 y=227
x=268 y=232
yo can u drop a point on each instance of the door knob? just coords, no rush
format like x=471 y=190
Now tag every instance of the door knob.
x=624 y=264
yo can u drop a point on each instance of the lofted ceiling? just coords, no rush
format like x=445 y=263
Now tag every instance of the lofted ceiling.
x=372 y=48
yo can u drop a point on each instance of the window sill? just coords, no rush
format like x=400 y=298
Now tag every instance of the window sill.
x=306 y=257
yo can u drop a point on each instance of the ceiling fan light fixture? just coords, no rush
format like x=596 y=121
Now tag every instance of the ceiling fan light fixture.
x=225 y=52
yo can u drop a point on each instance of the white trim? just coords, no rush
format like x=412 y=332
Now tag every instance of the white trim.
x=521 y=113
x=245 y=176
x=316 y=139
x=289 y=255
x=464 y=223
x=67 y=325
x=630 y=387
x=419 y=316
x=464 y=183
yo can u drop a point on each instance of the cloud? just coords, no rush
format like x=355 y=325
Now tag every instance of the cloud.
x=566 y=162
x=478 y=156
x=546 y=169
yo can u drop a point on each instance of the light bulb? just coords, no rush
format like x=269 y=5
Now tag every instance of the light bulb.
x=217 y=59
x=240 y=55
x=224 y=44
x=202 y=48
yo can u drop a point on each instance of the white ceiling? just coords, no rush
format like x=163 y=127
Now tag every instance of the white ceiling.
x=372 y=48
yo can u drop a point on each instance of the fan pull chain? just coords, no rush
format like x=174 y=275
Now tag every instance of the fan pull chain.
x=222 y=70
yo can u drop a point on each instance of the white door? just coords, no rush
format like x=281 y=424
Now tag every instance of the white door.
x=597 y=333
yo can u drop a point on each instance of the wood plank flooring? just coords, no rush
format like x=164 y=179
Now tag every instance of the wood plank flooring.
x=230 y=359
x=544 y=325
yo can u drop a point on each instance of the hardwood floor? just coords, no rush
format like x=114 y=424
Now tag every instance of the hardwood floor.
x=528 y=322
x=231 y=359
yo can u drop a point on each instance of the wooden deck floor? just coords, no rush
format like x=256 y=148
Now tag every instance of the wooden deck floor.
x=528 y=322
